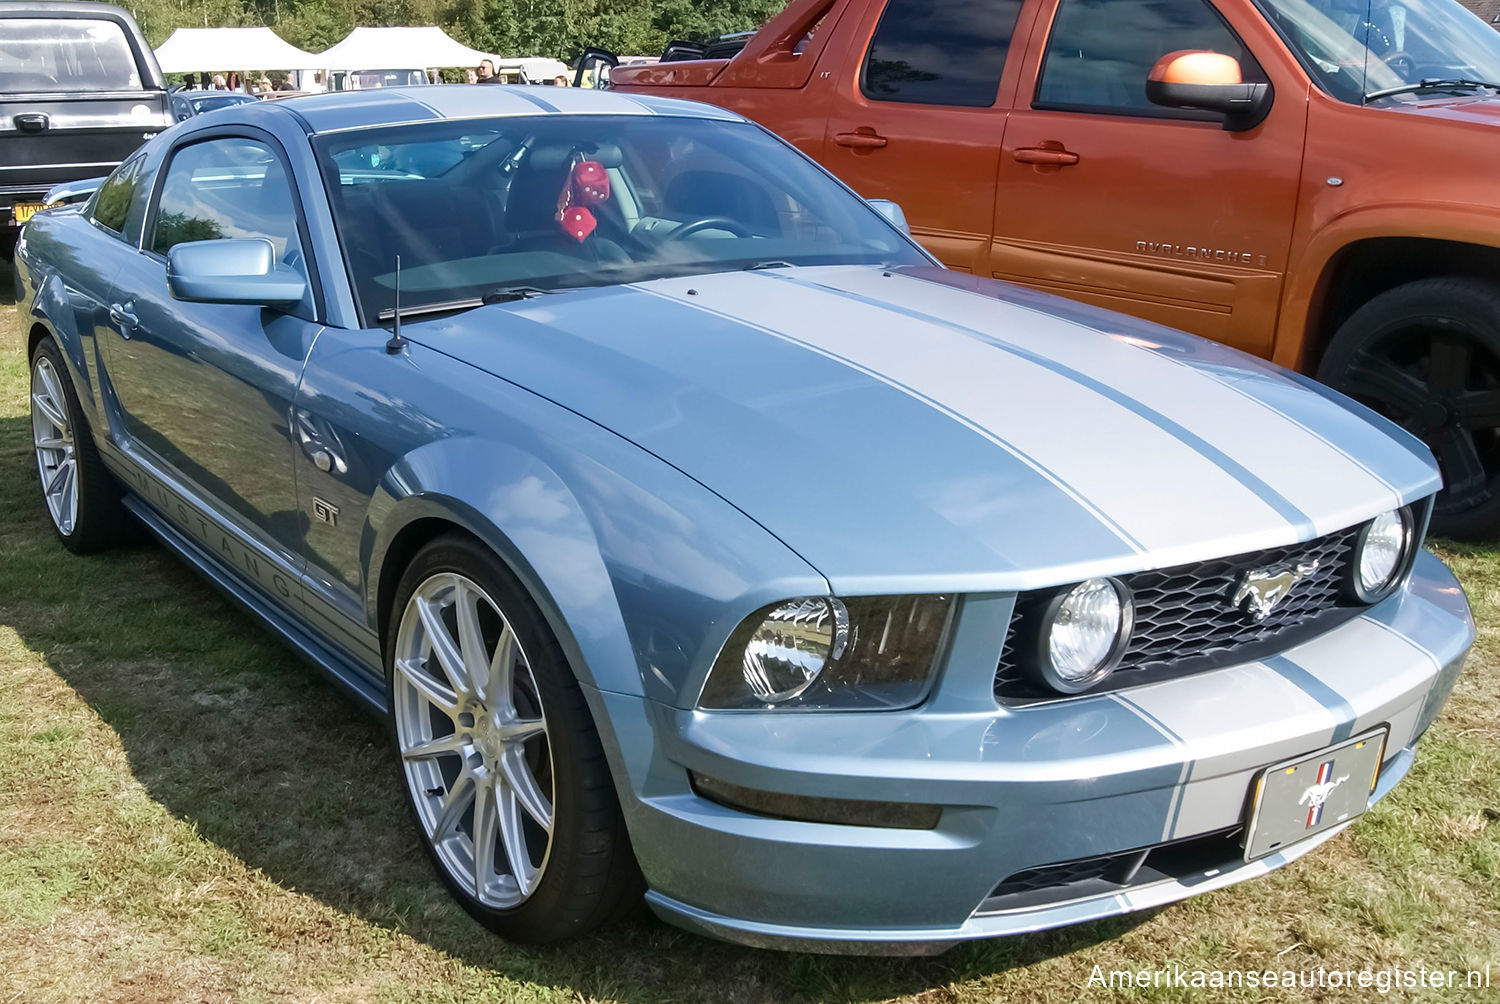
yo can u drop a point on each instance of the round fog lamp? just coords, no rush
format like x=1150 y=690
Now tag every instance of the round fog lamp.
x=794 y=644
x=1084 y=634
x=1382 y=552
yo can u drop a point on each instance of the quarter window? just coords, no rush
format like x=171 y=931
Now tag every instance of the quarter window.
x=940 y=52
x=111 y=206
x=1101 y=51
x=225 y=188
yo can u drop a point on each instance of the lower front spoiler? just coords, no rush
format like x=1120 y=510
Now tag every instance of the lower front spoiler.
x=935 y=941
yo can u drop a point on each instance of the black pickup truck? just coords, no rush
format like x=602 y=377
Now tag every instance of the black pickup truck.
x=79 y=90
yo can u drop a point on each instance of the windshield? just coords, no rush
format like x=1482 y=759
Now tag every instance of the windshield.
x=65 y=54
x=1357 y=48
x=562 y=201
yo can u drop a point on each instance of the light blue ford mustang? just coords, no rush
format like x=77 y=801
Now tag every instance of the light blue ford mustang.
x=699 y=534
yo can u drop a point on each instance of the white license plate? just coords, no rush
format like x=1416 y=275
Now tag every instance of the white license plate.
x=1298 y=798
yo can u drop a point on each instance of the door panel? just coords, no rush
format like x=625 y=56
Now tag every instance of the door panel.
x=918 y=115
x=1162 y=214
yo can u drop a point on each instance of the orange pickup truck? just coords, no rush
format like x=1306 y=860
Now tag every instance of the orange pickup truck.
x=1314 y=181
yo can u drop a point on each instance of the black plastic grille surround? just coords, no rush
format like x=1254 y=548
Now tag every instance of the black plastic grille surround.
x=1185 y=621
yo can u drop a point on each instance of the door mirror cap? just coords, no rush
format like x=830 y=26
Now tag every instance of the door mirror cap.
x=893 y=213
x=72 y=191
x=1208 y=81
x=232 y=271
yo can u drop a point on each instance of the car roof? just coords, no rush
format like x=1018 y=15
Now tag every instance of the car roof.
x=84 y=8
x=381 y=106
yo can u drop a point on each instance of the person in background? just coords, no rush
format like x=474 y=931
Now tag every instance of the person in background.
x=219 y=84
x=473 y=77
x=286 y=84
x=561 y=80
x=189 y=82
x=486 y=72
x=233 y=83
x=263 y=84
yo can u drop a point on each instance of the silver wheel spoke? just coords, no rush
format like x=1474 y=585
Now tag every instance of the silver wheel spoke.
x=433 y=747
x=436 y=693
x=518 y=730
x=486 y=825
x=443 y=646
x=60 y=477
x=513 y=836
x=470 y=642
x=528 y=793
x=52 y=443
x=460 y=794
x=502 y=674
x=48 y=405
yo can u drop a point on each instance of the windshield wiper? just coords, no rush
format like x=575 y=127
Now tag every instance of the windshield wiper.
x=1433 y=84
x=760 y=265
x=510 y=294
x=421 y=310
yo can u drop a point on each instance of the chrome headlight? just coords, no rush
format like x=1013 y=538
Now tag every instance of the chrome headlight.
x=823 y=652
x=1382 y=553
x=1083 y=634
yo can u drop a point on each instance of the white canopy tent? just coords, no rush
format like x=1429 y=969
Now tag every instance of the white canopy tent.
x=398 y=48
x=191 y=49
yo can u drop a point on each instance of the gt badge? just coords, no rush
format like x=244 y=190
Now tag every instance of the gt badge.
x=325 y=512
x=1261 y=589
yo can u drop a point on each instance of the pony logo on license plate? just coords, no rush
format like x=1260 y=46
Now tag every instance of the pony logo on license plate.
x=1313 y=793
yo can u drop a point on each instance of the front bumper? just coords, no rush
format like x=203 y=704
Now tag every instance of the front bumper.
x=1020 y=788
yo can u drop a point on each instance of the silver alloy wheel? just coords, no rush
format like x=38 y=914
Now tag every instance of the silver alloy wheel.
x=473 y=740
x=52 y=436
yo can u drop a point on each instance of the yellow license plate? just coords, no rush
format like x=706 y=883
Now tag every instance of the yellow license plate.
x=23 y=211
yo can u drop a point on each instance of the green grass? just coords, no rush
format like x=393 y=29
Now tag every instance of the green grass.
x=188 y=813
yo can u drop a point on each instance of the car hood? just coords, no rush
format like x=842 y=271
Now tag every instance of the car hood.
x=923 y=430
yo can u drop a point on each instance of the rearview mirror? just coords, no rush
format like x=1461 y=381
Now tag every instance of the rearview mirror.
x=1208 y=81
x=232 y=271
x=893 y=213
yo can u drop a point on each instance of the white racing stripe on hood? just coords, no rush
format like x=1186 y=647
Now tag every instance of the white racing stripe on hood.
x=1333 y=489
x=1089 y=441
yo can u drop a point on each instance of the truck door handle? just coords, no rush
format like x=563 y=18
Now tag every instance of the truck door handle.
x=31 y=122
x=1046 y=155
x=122 y=315
x=861 y=139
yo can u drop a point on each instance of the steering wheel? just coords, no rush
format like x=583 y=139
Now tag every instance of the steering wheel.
x=1401 y=62
x=708 y=223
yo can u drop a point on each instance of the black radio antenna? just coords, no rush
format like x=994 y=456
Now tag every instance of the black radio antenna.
x=396 y=343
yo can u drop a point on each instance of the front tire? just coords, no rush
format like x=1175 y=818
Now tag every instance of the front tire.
x=82 y=498
x=503 y=769
x=1427 y=356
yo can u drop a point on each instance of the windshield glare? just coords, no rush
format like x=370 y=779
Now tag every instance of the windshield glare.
x=1355 y=48
x=65 y=54
x=567 y=201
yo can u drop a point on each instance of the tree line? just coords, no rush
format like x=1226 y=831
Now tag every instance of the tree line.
x=560 y=28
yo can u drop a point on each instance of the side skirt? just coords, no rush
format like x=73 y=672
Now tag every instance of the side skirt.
x=338 y=667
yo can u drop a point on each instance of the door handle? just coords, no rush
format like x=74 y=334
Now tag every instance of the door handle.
x=31 y=122
x=122 y=315
x=861 y=139
x=1047 y=156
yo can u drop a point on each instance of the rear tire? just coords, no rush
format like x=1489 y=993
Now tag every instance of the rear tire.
x=503 y=769
x=1427 y=356
x=81 y=496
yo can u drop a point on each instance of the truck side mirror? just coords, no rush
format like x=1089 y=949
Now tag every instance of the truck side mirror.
x=593 y=68
x=1208 y=81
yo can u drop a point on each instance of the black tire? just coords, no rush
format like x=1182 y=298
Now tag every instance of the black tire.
x=1427 y=356
x=589 y=876
x=100 y=520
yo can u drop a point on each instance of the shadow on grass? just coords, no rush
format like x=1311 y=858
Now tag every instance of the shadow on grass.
x=7 y=282
x=234 y=734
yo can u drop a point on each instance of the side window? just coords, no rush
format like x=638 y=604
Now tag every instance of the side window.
x=940 y=52
x=111 y=205
x=224 y=188
x=1101 y=51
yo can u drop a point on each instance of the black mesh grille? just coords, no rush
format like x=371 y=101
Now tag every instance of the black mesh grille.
x=1184 y=621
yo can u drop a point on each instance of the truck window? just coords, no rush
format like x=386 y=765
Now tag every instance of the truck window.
x=1100 y=52
x=940 y=52
x=65 y=54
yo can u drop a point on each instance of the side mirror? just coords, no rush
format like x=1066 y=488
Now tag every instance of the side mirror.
x=1208 y=81
x=593 y=68
x=232 y=271
x=893 y=213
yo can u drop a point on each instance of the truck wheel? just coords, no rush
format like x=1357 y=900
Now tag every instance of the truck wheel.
x=1427 y=356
